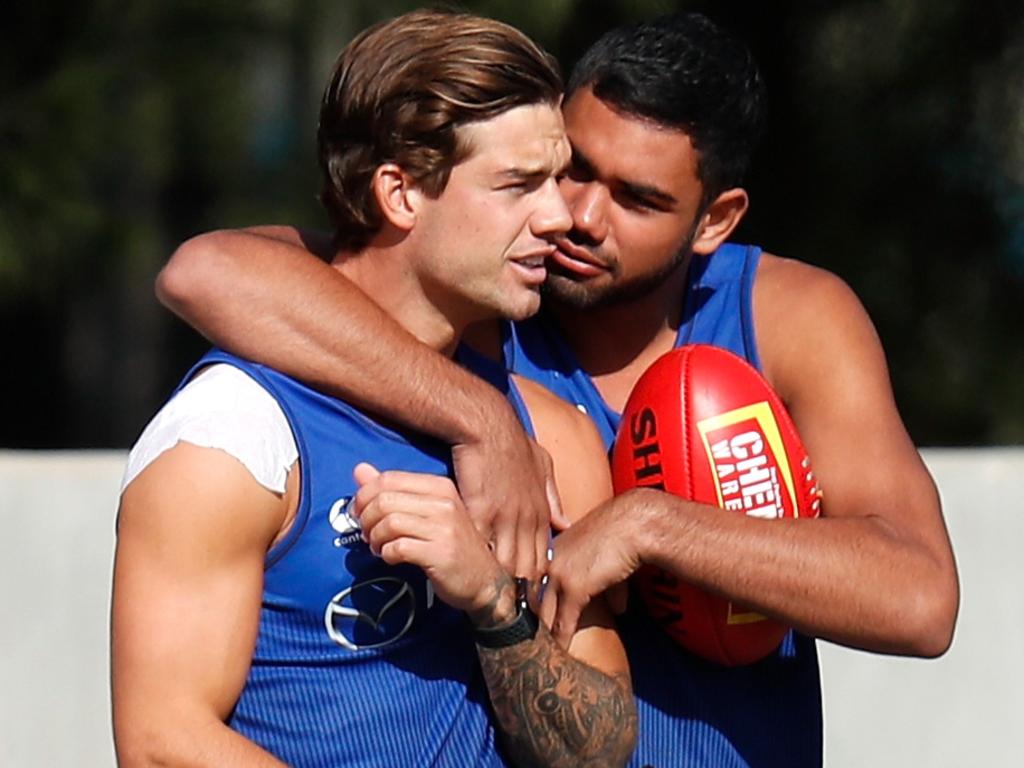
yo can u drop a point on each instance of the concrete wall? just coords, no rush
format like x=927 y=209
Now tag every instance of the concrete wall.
x=967 y=708
x=57 y=516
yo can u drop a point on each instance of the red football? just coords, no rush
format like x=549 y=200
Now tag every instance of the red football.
x=703 y=424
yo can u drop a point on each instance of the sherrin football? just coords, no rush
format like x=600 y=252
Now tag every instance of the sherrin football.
x=703 y=424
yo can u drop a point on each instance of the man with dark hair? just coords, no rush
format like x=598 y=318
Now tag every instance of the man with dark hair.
x=297 y=582
x=662 y=117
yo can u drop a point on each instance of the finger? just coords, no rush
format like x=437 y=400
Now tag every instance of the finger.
x=531 y=540
x=384 y=503
x=407 y=550
x=504 y=535
x=367 y=487
x=392 y=479
x=566 y=618
x=549 y=605
x=543 y=563
x=540 y=556
x=418 y=482
x=478 y=498
x=364 y=473
x=559 y=521
x=618 y=597
x=397 y=526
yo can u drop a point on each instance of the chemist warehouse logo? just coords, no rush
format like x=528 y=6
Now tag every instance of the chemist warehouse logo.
x=751 y=471
x=368 y=614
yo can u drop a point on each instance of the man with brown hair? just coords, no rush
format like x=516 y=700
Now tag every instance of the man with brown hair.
x=299 y=583
x=663 y=117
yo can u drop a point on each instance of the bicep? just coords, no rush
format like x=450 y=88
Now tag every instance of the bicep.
x=597 y=642
x=828 y=365
x=193 y=530
x=578 y=456
x=584 y=481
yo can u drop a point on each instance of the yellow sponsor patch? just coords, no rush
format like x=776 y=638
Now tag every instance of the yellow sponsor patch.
x=749 y=463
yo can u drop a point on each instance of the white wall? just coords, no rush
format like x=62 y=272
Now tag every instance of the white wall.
x=57 y=516
x=967 y=708
x=56 y=549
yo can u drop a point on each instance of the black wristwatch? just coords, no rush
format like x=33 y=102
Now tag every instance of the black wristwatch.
x=522 y=627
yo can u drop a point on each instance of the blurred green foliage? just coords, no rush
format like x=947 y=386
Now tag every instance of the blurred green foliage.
x=895 y=157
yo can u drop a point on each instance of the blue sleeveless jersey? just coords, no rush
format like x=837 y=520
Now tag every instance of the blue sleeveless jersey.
x=356 y=662
x=693 y=712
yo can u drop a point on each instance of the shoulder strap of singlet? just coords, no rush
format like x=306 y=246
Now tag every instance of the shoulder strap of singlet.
x=495 y=374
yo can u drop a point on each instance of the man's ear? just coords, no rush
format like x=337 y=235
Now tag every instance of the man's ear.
x=719 y=220
x=396 y=196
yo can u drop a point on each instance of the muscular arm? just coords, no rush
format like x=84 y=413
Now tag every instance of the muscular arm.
x=561 y=708
x=876 y=570
x=555 y=707
x=557 y=710
x=193 y=530
x=262 y=295
x=880 y=568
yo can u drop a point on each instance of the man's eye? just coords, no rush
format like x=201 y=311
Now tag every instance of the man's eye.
x=635 y=202
x=523 y=187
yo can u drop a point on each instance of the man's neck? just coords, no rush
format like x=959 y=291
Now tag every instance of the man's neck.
x=616 y=344
x=385 y=276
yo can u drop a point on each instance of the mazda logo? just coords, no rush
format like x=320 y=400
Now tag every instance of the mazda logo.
x=371 y=614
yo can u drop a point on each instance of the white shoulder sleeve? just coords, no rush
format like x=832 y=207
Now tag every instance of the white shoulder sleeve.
x=222 y=408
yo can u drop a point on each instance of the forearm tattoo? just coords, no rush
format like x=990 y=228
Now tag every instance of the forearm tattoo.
x=485 y=615
x=555 y=710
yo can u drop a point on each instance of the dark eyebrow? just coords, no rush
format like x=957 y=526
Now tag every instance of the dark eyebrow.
x=650 y=194
x=635 y=189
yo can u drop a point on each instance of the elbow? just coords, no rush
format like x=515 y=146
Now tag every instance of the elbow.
x=930 y=618
x=136 y=748
x=181 y=282
x=155 y=738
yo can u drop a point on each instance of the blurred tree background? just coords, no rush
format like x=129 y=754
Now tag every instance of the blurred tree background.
x=895 y=157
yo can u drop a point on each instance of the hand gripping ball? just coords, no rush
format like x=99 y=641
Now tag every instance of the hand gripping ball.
x=701 y=423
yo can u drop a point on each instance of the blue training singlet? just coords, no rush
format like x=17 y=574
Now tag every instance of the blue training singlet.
x=356 y=662
x=693 y=712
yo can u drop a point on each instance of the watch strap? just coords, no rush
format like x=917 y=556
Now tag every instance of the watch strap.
x=522 y=627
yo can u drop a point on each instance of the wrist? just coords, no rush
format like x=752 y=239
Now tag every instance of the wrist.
x=645 y=531
x=521 y=628
x=496 y=606
x=489 y=418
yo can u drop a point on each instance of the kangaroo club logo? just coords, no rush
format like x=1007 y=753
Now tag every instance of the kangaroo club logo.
x=343 y=522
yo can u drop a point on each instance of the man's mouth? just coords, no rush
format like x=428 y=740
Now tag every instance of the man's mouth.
x=531 y=269
x=576 y=260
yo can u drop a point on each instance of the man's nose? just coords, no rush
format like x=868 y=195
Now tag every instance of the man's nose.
x=588 y=204
x=552 y=217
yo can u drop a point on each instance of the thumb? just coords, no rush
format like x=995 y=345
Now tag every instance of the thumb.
x=559 y=520
x=364 y=473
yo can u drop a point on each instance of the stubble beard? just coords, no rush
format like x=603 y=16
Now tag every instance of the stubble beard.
x=578 y=295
